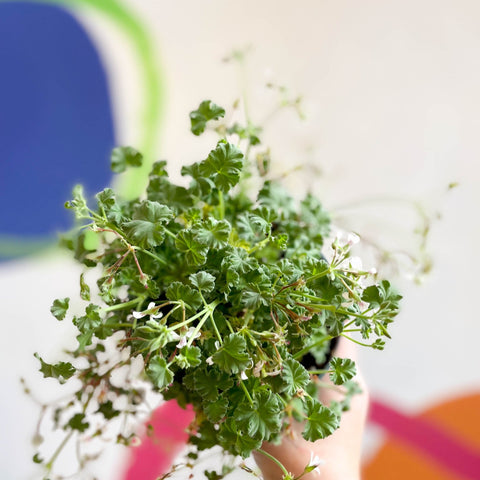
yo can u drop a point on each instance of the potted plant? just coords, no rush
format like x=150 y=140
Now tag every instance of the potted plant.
x=219 y=291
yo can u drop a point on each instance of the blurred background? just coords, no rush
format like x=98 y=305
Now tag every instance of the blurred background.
x=390 y=106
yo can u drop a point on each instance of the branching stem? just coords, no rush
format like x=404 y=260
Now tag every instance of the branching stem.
x=121 y=306
x=276 y=461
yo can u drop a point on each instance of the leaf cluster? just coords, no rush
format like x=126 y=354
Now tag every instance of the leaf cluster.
x=221 y=291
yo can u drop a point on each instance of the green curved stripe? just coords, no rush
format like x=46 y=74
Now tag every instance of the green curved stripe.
x=134 y=181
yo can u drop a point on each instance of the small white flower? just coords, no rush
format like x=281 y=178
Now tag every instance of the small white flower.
x=344 y=239
x=182 y=342
x=172 y=335
x=151 y=306
x=315 y=461
x=243 y=375
x=148 y=311
x=257 y=371
x=352 y=239
x=190 y=333
x=372 y=271
x=186 y=336
x=209 y=361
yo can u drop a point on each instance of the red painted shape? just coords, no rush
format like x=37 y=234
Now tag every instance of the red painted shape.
x=428 y=438
x=156 y=453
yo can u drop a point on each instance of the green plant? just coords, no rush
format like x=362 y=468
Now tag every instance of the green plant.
x=220 y=291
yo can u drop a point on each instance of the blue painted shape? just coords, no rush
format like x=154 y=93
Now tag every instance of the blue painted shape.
x=56 y=125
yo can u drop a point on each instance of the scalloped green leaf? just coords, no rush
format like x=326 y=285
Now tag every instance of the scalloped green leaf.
x=59 y=308
x=147 y=229
x=223 y=166
x=262 y=419
x=204 y=281
x=232 y=356
x=123 y=157
x=62 y=371
x=321 y=421
x=343 y=370
x=206 y=111
x=295 y=377
x=159 y=373
x=194 y=251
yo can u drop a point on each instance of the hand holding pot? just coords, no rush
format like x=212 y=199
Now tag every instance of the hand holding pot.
x=337 y=456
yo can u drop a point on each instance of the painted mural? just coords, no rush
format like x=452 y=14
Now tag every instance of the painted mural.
x=57 y=124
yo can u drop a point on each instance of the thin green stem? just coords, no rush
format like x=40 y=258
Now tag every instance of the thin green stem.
x=59 y=449
x=247 y=393
x=351 y=291
x=104 y=215
x=221 y=205
x=197 y=328
x=229 y=325
x=174 y=309
x=356 y=341
x=350 y=323
x=305 y=350
x=97 y=217
x=217 y=333
x=260 y=245
x=276 y=461
x=111 y=228
x=318 y=275
x=319 y=372
x=121 y=306
x=146 y=252
x=168 y=232
x=247 y=152
x=202 y=297
x=186 y=322
x=310 y=297
x=49 y=464
x=120 y=325
x=330 y=308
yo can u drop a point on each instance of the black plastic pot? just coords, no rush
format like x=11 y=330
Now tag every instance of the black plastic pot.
x=309 y=362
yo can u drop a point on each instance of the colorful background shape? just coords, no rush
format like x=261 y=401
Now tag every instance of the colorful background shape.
x=56 y=123
x=440 y=443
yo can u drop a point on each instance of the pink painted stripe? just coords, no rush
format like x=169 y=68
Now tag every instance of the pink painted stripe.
x=428 y=438
x=156 y=454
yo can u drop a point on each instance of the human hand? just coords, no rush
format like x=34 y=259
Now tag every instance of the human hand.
x=339 y=453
